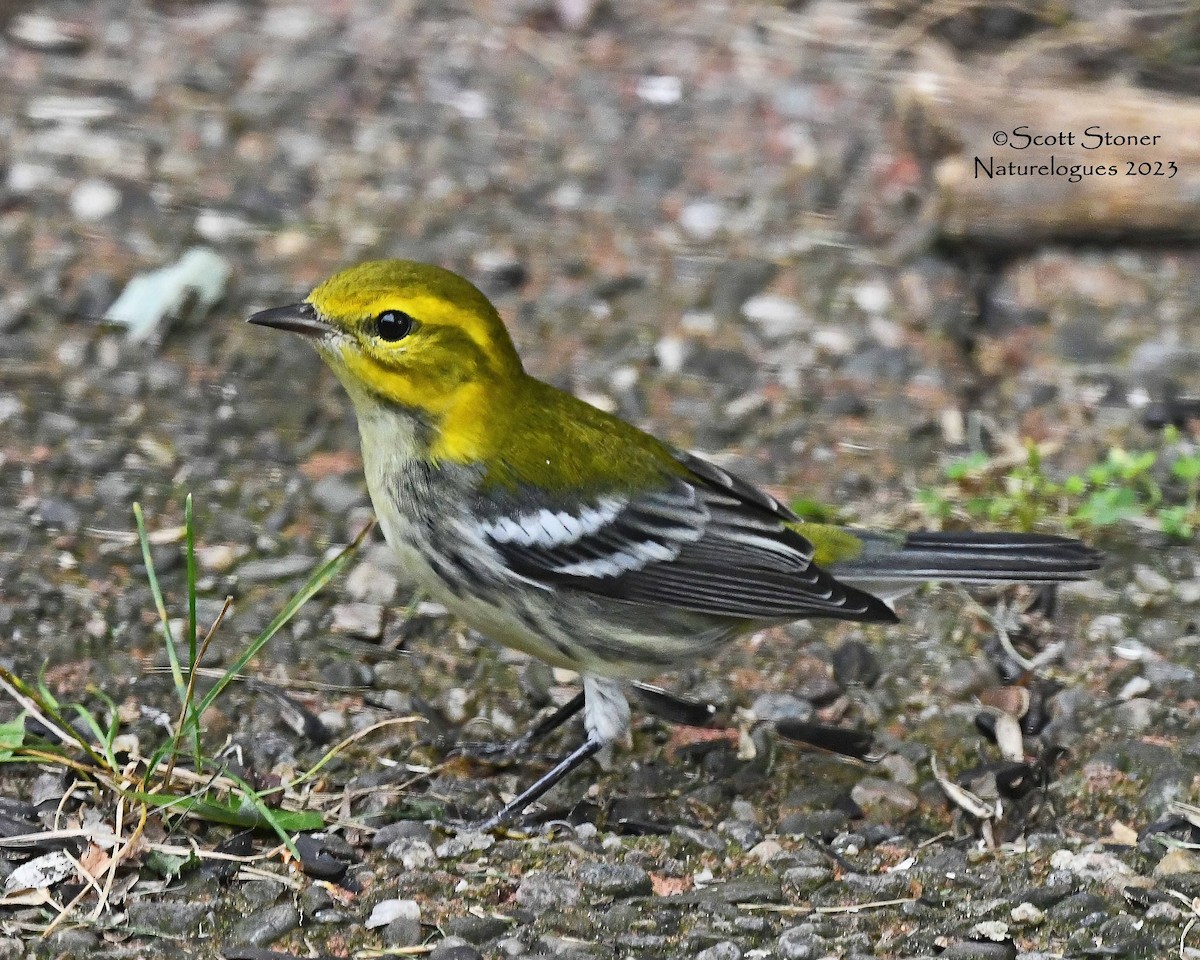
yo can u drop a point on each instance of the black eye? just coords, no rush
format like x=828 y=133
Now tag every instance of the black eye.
x=393 y=325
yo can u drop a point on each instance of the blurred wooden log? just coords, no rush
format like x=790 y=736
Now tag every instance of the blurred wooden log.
x=1116 y=164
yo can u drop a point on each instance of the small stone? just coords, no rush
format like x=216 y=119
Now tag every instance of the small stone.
x=463 y=843
x=1151 y=580
x=615 y=879
x=900 y=769
x=217 y=558
x=41 y=31
x=362 y=620
x=800 y=943
x=475 y=929
x=266 y=926
x=336 y=494
x=766 y=851
x=1026 y=913
x=94 y=199
x=885 y=796
x=745 y=834
x=371 y=584
x=455 y=948
x=776 y=316
x=725 y=950
x=773 y=707
x=703 y=219
x=540 y=891
x=167 y=918
x=804 y=880
x=671 y=353
x=403 y=922
x=872 y=296
x=278 y=568
x=1177 y=861
x=411 y=852
x=1136 y=715
x=704 y=839
x=660 y=91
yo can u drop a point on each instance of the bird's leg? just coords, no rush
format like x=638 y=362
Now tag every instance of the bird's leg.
x=606 y=717
x=520 y=745
x=536 y=790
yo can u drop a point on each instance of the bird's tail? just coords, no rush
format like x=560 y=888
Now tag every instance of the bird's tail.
x=889 y=562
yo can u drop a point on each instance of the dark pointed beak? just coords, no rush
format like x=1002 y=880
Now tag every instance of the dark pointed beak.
x=296 y=317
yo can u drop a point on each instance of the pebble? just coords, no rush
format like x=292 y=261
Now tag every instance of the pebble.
x=370 y=583
x=1178 y=860
x=1151 y=580
x=773 y=707
x=266 y=926
x=94 y=200
x=167 y=918
x=454 y=948
x=1026 y=912
x=412 y=853
x=338 y=495
x=277 y=568
x=703 y=219
x=401 y=920
x=874 y=794
x=469 y=841
x=540 y=891
x=725 y=950
x=362 y=620
x=800 y=943
x=776 y=316
x=615 y=879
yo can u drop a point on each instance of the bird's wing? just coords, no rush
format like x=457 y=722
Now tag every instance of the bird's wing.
x=703 y=541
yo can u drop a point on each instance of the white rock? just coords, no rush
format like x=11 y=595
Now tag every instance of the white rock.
x=94 y=199
x=703 y=219
x=386 y=911
x=660 y=90
x=776 y=316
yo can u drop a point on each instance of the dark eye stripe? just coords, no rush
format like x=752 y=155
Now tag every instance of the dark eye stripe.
x=393 y=325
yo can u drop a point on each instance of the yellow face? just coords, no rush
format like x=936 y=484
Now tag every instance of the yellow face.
x=405 y=333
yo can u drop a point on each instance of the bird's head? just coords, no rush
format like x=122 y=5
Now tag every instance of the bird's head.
x=399 y=333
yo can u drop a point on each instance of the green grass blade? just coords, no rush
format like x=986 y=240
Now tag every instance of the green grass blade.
x=172 y=655
x=323 y=574
x=241 y=813
x=191 y=718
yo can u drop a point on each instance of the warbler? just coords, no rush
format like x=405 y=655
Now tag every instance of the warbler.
x=558 y=529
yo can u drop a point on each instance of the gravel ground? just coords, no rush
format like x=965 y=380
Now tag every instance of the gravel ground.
x=683 y=211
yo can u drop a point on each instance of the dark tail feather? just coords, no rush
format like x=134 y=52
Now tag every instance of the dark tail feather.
x=965 y=557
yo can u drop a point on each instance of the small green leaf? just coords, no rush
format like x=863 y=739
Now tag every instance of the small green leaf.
x=961 y=469
x=1187 y=468
x=1111 y=505
x=12 y=737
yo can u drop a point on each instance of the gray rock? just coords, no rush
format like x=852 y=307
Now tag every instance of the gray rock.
x=167 y=918
x=615 y=879
x=725 y=950
x=804 y=880
x=540 y=891
x=746 y=835
x=266 y=926
x=773 y=707
x=338 y=495
x=800 y=942
x=276 y=568
x=704 y=839
x=475 y=929
x=452 y=948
